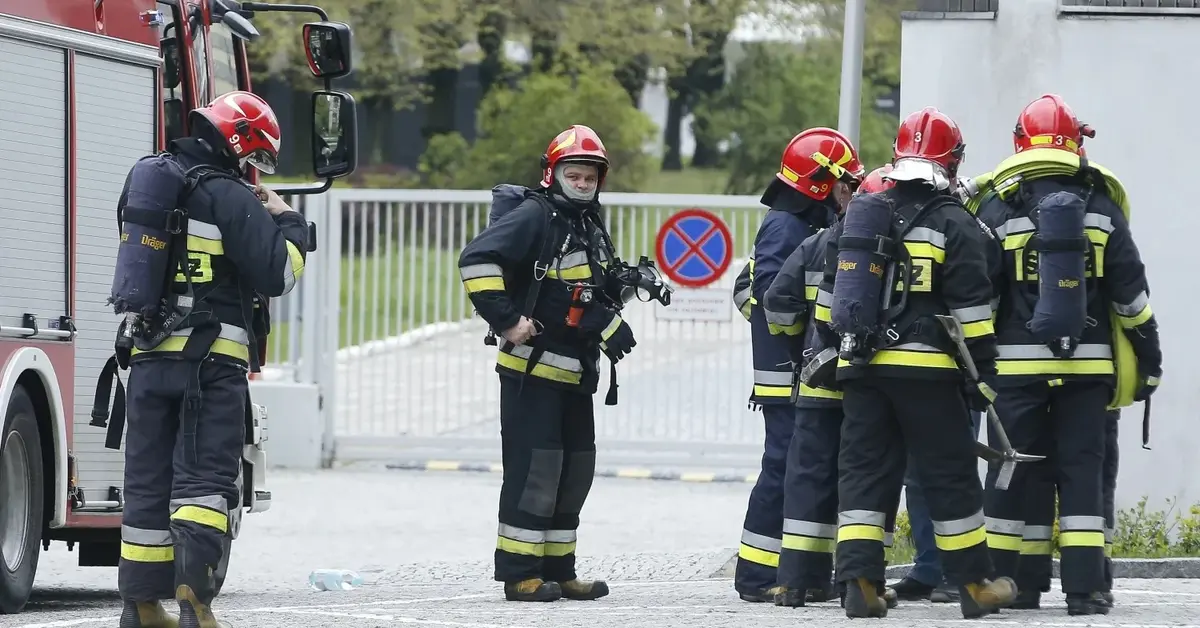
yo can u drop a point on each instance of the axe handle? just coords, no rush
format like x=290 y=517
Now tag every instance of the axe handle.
x=1146 y=423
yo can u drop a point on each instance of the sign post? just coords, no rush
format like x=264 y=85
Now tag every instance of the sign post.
x=694 y=249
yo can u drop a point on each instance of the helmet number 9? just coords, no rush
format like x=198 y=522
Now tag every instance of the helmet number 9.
x=917 y=137
x=235 y=141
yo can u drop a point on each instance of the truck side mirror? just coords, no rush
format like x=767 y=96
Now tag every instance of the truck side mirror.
x=327 y=47
x=335 y=134
x=239 y=26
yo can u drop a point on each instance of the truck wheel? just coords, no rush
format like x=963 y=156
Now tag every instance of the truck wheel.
x=20 y=502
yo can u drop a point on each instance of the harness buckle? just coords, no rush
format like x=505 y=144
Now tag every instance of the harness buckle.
x=892 y=334
x=540 y=270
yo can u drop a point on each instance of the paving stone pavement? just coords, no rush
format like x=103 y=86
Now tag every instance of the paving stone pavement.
x=423 y=542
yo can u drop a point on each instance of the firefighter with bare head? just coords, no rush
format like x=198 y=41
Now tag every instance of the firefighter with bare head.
x=201 y=251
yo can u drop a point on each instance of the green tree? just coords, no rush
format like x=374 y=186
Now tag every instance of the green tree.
x=776 y=93
x=516 y=125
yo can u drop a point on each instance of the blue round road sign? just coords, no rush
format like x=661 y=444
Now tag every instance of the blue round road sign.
x=694 y=248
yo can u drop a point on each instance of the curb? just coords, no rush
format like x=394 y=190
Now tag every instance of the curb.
x=1152 y=568
x=631 y=473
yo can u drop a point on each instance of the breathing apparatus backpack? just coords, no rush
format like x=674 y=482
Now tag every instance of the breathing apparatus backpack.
x=871 y=257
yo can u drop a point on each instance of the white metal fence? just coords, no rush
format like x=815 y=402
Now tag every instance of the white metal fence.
x=381 y=322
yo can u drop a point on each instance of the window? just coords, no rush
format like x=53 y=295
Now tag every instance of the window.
x=172 y=78
x=200 y=55
x=224 y=57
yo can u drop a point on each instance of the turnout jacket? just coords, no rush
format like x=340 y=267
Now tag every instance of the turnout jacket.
x=498 y=269
x=1114 y=274
x=792 y=217
x=949 y=275
x=789 y=309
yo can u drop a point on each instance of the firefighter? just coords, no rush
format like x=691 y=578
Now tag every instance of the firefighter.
x=526 y=275
x=1059 y=303
x=903 y=257
x=818 y=171
x=810 y=481
x=243 y=243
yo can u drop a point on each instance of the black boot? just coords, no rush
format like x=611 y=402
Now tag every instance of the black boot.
x=864 y=600
x=1028 y=599
x=532 y=590
x=945 y=593
x=984 y=598
x=194 y=613
x=792 y=598
x=1086 y=604
x=584 y=589
x=911 y=590
x=762 y=595
x=147 y=615
x=195 y=588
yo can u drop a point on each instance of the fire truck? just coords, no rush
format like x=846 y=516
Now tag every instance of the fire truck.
x=87 y=87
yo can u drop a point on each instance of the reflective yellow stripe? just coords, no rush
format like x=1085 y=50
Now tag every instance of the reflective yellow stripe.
x=147 y=554
x=823 y=313
x=483 y=284
x=1054 y=367
x=612 y=328
x=926 y=250
x=808 y=544
x=755 y=555
x=574 y=273
x=560 y=549
x=977 y=329
x=1080 y=539
x=795 y=329
x=859 y=532
x=520 y=547
x=543 y=371
x=174 y=344
x=772 y=391
x=961 y=541
x=203 y=516
x=205 y=245
x=809 y=391
x=810 y=293
x=1036 y=548
x=1129 y=322
x=900 y=357
x=1003 y=542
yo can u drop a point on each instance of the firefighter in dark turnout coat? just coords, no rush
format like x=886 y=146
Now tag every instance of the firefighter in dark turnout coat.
x=525 y=275
x=180 y=476
x=903 y=391
x=810 y=483
x=1054 y=401
x=801 y=200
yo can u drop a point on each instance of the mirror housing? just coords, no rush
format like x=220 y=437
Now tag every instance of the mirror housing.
x=327 y=49
x=239 y=26
x=335 y=134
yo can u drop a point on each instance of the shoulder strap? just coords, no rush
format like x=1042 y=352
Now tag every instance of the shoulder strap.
x=902 y=260
x=550 y=242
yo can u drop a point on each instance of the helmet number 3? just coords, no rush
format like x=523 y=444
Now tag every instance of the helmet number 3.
x=1058 y=140
x=917 y=137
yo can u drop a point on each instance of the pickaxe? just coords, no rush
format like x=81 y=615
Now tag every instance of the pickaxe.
x=1006 y=456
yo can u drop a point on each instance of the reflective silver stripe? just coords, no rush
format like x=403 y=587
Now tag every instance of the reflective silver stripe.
x=1081 y=522
x=740 y=298
x=917 y=346
x=521 y=534
x=812 y=278
x=780 y=318
x=1004 y=526
x=548 y=358
x=571 y=260
x=142 y=536
x=824 y=298
x=809 y=528
x=1132 y=309
x=1099 y=221
x=560 y=536
x=1013 y=226
x=212 y=502
x=764 y=543
x=972 y=314
x=925 y=234
x=203 y=229
x=1109 y=535
x=1042 y=352
x=1038 y=533
x=228 y=332
x=861 y=517
x=475 y=271
x=959 y=526
x=612 y=328
x=772 y=378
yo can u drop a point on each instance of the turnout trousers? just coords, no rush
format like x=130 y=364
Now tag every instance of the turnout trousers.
x=886 y=421
x=762 y=531
x=1109 y=479
x=548 y=438
x=179 y=487
x=810 y=500
x=1064 y=421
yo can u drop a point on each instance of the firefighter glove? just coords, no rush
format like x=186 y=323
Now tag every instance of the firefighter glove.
x=980 y=395
x=1147 y=385
x=617 y=339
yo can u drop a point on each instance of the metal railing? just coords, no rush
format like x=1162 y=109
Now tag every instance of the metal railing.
x=381 y=322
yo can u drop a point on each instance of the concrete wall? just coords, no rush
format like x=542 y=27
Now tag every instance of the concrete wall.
x=1134 y=79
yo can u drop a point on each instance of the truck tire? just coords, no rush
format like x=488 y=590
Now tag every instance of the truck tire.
x=21 y=500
